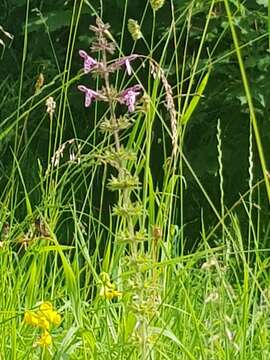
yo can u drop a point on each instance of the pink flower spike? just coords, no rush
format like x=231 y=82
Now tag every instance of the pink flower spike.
x=128 y=96
x=90 y=95
x=89 y=62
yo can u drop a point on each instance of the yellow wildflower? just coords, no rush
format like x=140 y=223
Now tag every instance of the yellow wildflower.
x=45 y=306
x=44 y=340
x=109 y=293
x=107 y=290
x=54 y=318
x=43 y=318
x=43 y=323
x=47 y=313
x=31 y=318
x=36 y=320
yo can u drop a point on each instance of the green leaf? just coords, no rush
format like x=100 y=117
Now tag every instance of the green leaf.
x=195 y=100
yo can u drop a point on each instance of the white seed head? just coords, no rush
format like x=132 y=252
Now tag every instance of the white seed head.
x=51 y=106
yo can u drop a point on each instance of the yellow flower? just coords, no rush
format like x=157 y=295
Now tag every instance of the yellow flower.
x=109 y=293
x=43 y=323
x=47 y=313
x=45 y=306
x=54 y=318
x=44 y=340
x=35 y=320
x=107 y=290
x=44 y=317
x=31 y=318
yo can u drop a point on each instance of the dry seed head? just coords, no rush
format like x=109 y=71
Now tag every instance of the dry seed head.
x=72 y=156
x=5 y=230
x=157 y=232
x=134 y=29
x=228 y=319
x=58 y=155
x=39 y=83
x=102 y=31
x=156 y=70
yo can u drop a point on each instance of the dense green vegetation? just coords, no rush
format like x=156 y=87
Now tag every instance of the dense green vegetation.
x=134 y=179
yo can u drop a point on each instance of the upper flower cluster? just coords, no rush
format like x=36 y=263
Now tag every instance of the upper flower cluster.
x=90 y=64
x=128 y=96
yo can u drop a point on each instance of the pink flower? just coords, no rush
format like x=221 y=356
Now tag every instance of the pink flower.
x=128 y=96
x=124 y=61
x=90 y=95
x=89 y=62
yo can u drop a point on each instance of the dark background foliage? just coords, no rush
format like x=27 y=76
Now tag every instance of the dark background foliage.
x=224 y=98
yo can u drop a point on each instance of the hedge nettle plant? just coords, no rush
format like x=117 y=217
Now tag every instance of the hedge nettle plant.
x=117 y=156
x=140 y=290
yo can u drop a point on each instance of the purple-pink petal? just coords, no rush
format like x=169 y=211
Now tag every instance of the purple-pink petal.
x=128 y=96
x=89 y=62
x=89 y=94
x=124 y=61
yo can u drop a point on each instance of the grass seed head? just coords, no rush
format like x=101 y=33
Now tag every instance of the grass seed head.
x=134 y=29
x=157 y=4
